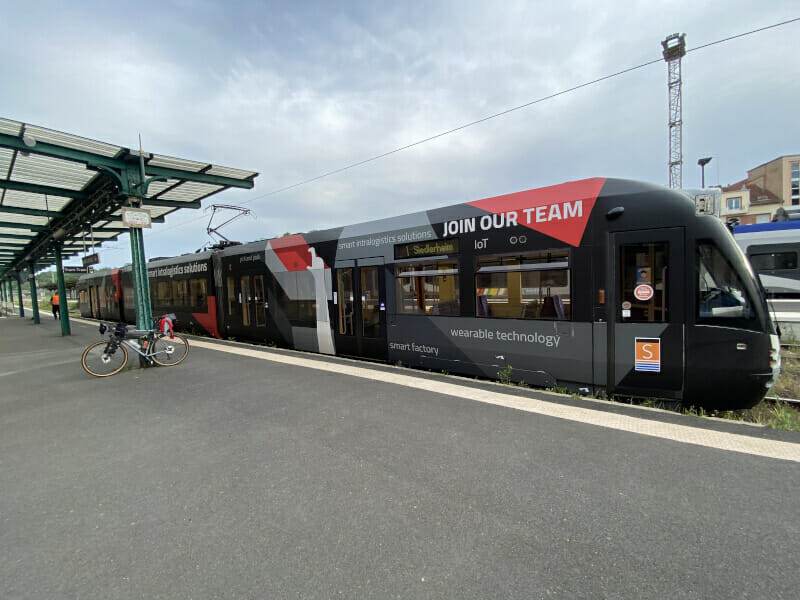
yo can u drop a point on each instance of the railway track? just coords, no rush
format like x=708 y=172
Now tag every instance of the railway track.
x=775 y=400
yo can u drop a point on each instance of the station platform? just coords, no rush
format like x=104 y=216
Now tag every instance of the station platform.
x=248 y=471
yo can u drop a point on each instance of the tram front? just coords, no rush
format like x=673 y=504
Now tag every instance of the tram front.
x=732 y=347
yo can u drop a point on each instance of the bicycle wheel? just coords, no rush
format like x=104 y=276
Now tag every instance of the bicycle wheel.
x=96 y=361
x=170 y=351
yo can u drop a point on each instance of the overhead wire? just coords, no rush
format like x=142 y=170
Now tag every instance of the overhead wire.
x=488 y=118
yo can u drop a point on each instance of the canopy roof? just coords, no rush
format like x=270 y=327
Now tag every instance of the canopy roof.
x=59 y=188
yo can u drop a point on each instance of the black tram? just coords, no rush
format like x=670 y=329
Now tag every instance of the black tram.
x=599 y=286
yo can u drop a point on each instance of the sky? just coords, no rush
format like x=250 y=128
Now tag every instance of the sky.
x=294 y=90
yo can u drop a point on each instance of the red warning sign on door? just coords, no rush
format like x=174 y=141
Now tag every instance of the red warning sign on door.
x=648 y=354
x=643 y=292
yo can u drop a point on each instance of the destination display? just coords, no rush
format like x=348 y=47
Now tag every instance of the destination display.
x=431 y=248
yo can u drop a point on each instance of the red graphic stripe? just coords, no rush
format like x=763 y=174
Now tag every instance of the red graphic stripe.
x=209 y=319
x=560 y=211
x=292 y=251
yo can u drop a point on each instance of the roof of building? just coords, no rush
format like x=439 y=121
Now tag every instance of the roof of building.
x=758 y=195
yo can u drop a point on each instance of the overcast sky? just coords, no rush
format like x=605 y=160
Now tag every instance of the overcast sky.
x=296 y=89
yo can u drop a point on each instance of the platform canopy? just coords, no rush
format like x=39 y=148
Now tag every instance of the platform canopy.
x=61 y=189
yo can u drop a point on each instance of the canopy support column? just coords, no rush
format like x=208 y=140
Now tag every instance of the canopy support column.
x=63 y=308
x=141 y=284
x=19 y=292
x=34 y=297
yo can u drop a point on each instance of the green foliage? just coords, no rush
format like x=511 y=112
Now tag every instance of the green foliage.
x=504 y=375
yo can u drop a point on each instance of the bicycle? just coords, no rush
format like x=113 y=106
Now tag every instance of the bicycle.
x=158 y=345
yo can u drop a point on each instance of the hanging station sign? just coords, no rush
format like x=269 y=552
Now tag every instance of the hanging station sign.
x=136 y=217
x=91 y=259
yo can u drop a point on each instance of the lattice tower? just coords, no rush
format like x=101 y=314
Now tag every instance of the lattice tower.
x=674 y=49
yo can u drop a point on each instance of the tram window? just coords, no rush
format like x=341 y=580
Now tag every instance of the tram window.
x=344 y=281
x=643 y=274
x=370 y=313
x=246 y=300
x=721 y=295
x=127 y=295
x=197 y=293
x=773 y=261
x=428 y=288
x=231 y=294
x=163 y=293
x=304 y=313
x=261 y=306
x=180 y=292
x=530 y=286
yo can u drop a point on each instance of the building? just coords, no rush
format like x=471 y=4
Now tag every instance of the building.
x=767 y=188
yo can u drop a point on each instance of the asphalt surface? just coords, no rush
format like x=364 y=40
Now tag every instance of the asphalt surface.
x=234 y=477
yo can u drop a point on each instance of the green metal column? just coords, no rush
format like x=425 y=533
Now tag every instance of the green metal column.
x=19 y=290
x=63 y=311
x=34 y=298
x=141 y=283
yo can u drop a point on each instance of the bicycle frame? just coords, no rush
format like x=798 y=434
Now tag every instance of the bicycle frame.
x=128 y=337
x=148 y=337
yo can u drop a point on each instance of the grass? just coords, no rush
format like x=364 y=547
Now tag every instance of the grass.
x=778 y=415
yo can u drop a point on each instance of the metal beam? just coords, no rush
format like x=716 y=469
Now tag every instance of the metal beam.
x=41 y=189
x=15 y=236
x=30 y=212
x=171 y=203
x=22 y=226
x=200 y=177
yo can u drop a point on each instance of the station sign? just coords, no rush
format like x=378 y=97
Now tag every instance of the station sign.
x=78 y=270
x=136 y=217
x=91 y=259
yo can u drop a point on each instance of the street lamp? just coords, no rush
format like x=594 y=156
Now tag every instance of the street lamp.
x=703 y=162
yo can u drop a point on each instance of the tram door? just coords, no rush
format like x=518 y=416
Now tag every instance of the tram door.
x=360 y=308
x=646 y=313
x=245 y=309
x=94 y=302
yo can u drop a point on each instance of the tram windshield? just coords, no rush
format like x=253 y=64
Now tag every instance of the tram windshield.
x=722 y=295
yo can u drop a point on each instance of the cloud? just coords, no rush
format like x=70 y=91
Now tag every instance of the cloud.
x=297 y=90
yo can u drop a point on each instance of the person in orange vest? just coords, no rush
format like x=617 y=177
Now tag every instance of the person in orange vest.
x=55 y=304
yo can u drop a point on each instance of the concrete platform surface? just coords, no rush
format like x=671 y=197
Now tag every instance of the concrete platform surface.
x=248 y=472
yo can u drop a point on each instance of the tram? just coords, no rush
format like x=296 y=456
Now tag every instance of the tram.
x=601 y=286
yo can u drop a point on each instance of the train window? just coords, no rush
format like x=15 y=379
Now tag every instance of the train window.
x=531 y=286
x=428 y=288
x=163 y=293
x=304 y=313
x=773 y=261
x=260 y=299
x=344 y=281
x=180 y=292
x=370 y=313
x=247 y=300
x=721 y=295
x=643 y=281
x=197 y=293
x=231 y=294
x=127 y=295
